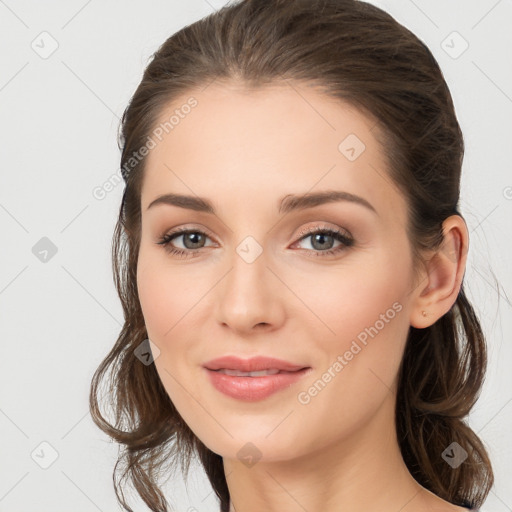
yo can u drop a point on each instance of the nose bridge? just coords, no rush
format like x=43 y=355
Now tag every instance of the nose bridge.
x=247 y=293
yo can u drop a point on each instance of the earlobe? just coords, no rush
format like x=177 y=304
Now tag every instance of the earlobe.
x=438 y=291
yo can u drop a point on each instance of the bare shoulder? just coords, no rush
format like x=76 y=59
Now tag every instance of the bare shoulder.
x=432 y=503
x=450 y=507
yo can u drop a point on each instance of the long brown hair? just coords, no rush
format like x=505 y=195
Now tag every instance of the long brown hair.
x=357 y=53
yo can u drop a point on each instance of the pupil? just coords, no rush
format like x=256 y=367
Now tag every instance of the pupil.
x=321 y=237
x=192 y=237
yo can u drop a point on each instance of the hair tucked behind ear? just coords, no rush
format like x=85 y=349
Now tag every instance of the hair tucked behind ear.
x=355 y=52
x=440 y=380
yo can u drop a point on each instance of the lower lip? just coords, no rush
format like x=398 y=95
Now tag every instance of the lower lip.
x=253 y=389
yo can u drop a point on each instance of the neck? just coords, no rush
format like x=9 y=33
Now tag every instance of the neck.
x=363 y=472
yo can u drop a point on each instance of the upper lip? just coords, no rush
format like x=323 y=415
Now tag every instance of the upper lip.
x=252 y=364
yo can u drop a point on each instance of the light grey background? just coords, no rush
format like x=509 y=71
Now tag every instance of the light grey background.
x=58 y=123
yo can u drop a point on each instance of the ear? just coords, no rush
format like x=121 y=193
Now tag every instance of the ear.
x=439 y=286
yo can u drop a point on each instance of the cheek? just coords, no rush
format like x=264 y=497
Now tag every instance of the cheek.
x=165 y=294
x=361 y=360
x=165 y=301
x=360 y=315
x=342 y=303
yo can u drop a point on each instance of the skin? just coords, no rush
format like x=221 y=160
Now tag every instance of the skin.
x=244 y=150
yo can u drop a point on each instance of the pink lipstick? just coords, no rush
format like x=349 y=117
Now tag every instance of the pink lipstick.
x=253 y=379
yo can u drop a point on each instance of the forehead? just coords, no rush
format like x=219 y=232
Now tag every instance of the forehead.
x=239 y=144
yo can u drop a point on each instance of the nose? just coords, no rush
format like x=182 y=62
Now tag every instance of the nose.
x=250 y=296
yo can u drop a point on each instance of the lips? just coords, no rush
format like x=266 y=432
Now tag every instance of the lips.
x=254 y=364
x=254 y=389
x=253 y=379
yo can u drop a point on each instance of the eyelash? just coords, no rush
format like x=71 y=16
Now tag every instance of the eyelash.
x=346 y=241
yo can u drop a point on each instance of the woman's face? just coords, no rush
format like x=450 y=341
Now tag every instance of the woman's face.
x=254 y=279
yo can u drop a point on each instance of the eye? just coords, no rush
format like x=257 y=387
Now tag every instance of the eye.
x=322 y=239
x=193 y=240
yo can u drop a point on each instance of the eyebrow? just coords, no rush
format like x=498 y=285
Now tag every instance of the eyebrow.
x=288 y=203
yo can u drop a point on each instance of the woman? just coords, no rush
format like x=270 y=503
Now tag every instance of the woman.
x=290 y=258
